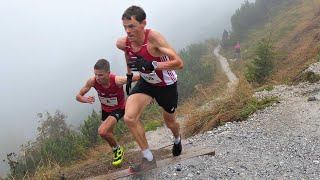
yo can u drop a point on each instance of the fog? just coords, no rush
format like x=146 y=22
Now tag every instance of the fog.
x=48 y=49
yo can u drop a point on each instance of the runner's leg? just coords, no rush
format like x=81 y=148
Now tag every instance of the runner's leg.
x=136 y=103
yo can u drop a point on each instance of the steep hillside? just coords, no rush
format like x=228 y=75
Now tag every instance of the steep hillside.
x=295 y=33
x=294 y=30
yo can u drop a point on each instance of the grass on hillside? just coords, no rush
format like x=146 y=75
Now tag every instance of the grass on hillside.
x=294 y=31
x=235 y=106
x=303 y=42
x=221 y=110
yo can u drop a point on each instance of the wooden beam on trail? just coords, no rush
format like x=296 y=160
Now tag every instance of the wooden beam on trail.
x=167 y=145
x=187 y=154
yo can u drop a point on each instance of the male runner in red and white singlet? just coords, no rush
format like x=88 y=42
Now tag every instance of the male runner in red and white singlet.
x=110 y=92
x=148 y=52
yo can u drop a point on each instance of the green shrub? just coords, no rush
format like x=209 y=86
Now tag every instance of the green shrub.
x=253 y=105
x=55 y=143
x=307 y=76
x=269 y=88
x=89 y=129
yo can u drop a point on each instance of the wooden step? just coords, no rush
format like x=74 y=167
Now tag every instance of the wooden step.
x=186 y=154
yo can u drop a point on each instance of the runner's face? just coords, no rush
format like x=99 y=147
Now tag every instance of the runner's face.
x=133 y=28
x=102 y=76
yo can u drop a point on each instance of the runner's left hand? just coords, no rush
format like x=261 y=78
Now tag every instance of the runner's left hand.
x=139 y=63
x=128 y=84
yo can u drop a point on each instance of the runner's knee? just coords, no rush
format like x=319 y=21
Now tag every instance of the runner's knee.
x=171 y=124
x=104 y=132
x=129 y=120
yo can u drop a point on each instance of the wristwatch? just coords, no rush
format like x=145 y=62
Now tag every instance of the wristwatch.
x=155 y=64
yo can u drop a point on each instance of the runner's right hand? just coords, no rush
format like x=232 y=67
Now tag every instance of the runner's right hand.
x=139 y=63
x=89 y=99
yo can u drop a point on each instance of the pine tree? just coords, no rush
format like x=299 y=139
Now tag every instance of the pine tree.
x=262 y=66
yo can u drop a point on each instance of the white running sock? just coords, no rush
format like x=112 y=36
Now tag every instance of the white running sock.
x=148 y=154
x=115 y=148
x=177 y=140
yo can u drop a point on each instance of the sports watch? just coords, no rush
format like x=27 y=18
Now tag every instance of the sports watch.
x=155 y=64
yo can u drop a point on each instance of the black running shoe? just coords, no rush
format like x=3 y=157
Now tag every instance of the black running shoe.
x=144 y=166
x=176 y=149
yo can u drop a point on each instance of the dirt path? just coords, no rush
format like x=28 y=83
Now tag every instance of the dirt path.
x=233 y=80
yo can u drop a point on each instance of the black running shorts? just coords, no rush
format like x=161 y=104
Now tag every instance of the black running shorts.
x=118 y=114
x=166 y=96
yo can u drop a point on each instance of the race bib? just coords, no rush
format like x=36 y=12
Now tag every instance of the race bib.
x=113 y=101
x=152 y=78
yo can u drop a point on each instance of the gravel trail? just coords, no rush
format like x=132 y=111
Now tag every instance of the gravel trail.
x=279 y=142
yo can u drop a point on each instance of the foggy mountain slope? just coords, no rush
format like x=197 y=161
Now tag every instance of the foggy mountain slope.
x=48 y=50
x=309 y=46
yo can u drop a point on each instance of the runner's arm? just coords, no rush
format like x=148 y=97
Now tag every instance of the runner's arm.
x=122 y=80
x=86 y=88
x=165 y=48
x=121 y=44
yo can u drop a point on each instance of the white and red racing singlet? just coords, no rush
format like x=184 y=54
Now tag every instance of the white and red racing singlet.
x=111 y=98
x=157 y=77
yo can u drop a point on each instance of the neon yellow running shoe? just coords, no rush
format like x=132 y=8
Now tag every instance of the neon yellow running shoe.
x=118 y=156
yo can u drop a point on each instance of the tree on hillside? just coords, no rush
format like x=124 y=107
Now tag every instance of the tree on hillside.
x=262 y=66
x=225 y=38
x=89 y=128
x=55 y=142
x=243 y=19
x=11 y=158
x=252 y=14
x=52 y=126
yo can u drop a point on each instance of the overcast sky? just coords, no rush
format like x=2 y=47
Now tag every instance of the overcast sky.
x=48 y=49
